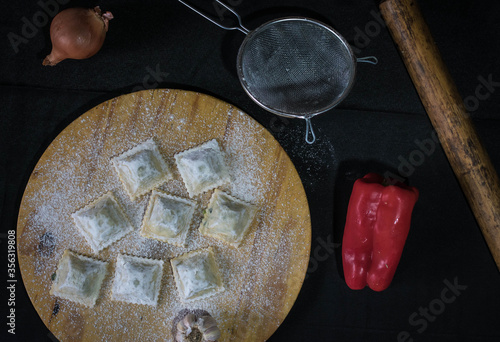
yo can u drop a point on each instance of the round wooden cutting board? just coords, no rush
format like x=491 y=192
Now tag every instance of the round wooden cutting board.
x=262 y=277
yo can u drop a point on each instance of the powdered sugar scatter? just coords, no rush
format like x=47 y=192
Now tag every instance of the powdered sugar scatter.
x=76 y=169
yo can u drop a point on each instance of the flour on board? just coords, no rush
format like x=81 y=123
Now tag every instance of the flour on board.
x=78 y=170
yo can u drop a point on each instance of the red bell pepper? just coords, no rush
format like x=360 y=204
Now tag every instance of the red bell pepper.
x=377 y=225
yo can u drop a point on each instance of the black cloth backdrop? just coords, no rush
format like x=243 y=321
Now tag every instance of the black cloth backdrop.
x=378 y=127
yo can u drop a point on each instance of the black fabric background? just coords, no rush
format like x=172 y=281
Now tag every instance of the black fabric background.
x=377 y=128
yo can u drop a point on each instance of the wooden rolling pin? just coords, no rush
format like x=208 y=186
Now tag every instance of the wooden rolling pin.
x=448 y=115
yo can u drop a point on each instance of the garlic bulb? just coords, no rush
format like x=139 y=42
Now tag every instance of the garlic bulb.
x=196 y=326
x=185 y=325
x=208 y=328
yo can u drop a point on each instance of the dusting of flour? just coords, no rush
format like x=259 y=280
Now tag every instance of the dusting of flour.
x=76 y=169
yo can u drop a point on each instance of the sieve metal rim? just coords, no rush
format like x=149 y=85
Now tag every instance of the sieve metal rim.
x=322 y=25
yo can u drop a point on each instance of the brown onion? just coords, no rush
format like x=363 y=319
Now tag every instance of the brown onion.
x=77 y=33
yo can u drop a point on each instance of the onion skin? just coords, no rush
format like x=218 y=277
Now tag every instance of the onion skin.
x=77 y=33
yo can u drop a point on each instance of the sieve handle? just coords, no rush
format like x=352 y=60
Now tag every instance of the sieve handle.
x=368 y=59
x=447 y=112
x=240 y=26
x=310 y=136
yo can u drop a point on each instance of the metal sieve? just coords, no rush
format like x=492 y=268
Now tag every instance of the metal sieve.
x=294 y=67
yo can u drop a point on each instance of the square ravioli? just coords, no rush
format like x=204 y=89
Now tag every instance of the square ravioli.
x=167 y=218
x=102 y=222
x=79 y=278
x=227 y=218
x=137 y=280
x=197 y=275
x=202 y=167
x=141 y=169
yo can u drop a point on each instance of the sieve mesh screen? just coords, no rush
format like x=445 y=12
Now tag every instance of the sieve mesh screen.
x=296 y=67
